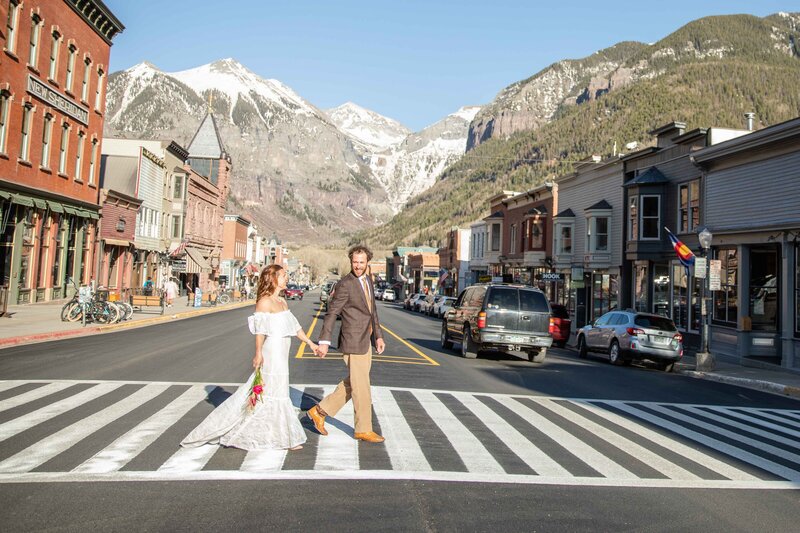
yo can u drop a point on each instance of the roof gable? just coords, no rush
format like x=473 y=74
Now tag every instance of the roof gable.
x=207 y=141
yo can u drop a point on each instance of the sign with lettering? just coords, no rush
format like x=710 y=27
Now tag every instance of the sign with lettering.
x=550 y=276
x=714 y=274
x=700 y=267
x=47 y=94
x=179 y=265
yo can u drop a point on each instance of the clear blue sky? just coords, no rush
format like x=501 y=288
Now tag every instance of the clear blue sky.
x=414 y=61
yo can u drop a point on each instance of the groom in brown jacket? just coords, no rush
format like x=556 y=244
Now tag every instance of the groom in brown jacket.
x=354 y=300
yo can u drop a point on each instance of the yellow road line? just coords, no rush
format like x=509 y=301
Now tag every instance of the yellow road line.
x=302 y=347
x=393 y=334
x=374 y=358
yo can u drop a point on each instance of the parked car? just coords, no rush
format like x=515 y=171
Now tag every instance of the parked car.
x=441 y=307
x=628 y=335
x=560 y=324
x=409 y=302
x=499 y=316
x=388 y=295
x=324 y=294
x=426 y=304
x=293 y=292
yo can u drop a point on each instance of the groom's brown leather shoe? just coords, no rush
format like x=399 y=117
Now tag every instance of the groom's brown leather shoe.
x=369 y=436
x=318 y=419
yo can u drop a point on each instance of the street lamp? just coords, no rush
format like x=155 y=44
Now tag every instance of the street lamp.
x=704 y=359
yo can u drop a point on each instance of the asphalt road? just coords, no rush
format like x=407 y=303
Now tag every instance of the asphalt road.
x=731 y=453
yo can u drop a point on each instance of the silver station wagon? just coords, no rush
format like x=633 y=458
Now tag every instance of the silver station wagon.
x=627 y=335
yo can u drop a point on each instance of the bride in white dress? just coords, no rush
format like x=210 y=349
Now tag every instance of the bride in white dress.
x=273 y=423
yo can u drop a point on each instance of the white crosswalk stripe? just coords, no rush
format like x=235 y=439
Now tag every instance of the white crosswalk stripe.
x=747 y=447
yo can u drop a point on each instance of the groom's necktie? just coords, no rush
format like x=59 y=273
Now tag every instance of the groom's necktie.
x=366 y=293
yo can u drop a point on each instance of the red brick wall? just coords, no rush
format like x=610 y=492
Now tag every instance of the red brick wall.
x=111 y=215
x=15 y=70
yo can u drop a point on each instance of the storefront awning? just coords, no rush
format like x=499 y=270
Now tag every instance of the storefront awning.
x=27 y=201
x=196 y=263
x=117 y=242
x=70 y=210
x=40 y=204
x=55 y=207
x=5 y=195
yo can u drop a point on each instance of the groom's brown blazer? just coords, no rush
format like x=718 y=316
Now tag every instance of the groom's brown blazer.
x=350 y=302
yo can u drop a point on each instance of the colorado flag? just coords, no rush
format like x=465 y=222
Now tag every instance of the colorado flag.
x=685 y=255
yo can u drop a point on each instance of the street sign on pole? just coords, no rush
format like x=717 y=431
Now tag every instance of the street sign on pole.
x=700 y=267
x=714 y=275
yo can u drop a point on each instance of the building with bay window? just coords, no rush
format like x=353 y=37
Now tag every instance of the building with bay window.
x=52 y=107
x=587 y=243
x=663 y=188
x=751 y=191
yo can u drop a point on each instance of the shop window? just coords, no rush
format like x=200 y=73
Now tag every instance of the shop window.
x=55 y=276
x=28 y=242
x=8 y=223
x=605 y=294
x=689 y=209
x=680 y=296
x=651 y=217
x=640 y=287
x=725 y=307
x=44 y=250
x=661 y=289
x=764 y=289
x=797 y=290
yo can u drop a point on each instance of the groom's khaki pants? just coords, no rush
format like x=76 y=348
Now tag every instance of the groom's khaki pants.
x=355 y=386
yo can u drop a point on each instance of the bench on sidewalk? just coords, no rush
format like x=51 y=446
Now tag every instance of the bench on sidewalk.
x=140 y=302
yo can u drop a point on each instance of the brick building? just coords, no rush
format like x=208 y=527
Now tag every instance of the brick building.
x=52 y=105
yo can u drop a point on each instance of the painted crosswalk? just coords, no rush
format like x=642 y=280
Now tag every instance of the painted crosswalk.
x=92 y=430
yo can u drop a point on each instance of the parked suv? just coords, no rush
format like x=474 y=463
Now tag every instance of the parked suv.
x=501 y=317
x=324 y=294
x=628 y=335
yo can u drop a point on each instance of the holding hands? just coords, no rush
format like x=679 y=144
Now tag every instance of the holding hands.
x=321 y=350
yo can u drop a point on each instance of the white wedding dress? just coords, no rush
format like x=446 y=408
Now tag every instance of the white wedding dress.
x=273 y=424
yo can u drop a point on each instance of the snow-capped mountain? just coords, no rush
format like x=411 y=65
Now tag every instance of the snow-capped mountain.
x=311 y=176
x=368 y=127
x=410 y=167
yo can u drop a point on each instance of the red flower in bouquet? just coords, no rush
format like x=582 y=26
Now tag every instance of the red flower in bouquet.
x=256 y=391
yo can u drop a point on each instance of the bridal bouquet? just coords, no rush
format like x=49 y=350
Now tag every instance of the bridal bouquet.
x=256 y=391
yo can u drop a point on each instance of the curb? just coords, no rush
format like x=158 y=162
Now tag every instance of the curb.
x=756 y=384
x=93 y=330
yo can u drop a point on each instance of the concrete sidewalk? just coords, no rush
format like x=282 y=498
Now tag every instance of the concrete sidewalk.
x=24 y=324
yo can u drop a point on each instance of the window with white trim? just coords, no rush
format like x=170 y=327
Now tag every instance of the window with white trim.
x=87 y=68
x=72 y=52
x=36 y=32
x=79 y=156
x=597 y=233
x=689 y=208
x=564 y=238
x=25 y=139
x=651 y=216
x=62 y=154
x=11 y=26
x=633 y=218
x=54 y=49
x=495 y=242
x=5 y=104
x=513 y=243
x=98 y=95
x=47 y=136
x=93 y=162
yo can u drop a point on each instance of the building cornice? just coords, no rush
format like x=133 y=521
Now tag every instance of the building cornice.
x=758 y=139
x=98 y=17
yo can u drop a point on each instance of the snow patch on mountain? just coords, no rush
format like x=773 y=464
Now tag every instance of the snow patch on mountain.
x=367 y=127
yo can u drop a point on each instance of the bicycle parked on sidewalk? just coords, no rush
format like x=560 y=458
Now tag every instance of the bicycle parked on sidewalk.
x=89 y=306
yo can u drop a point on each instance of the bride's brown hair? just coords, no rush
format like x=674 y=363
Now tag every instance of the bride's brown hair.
x=268 y=281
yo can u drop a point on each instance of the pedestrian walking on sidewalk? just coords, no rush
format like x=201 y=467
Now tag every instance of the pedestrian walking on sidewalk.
x=354 y=301
x=170 y=291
